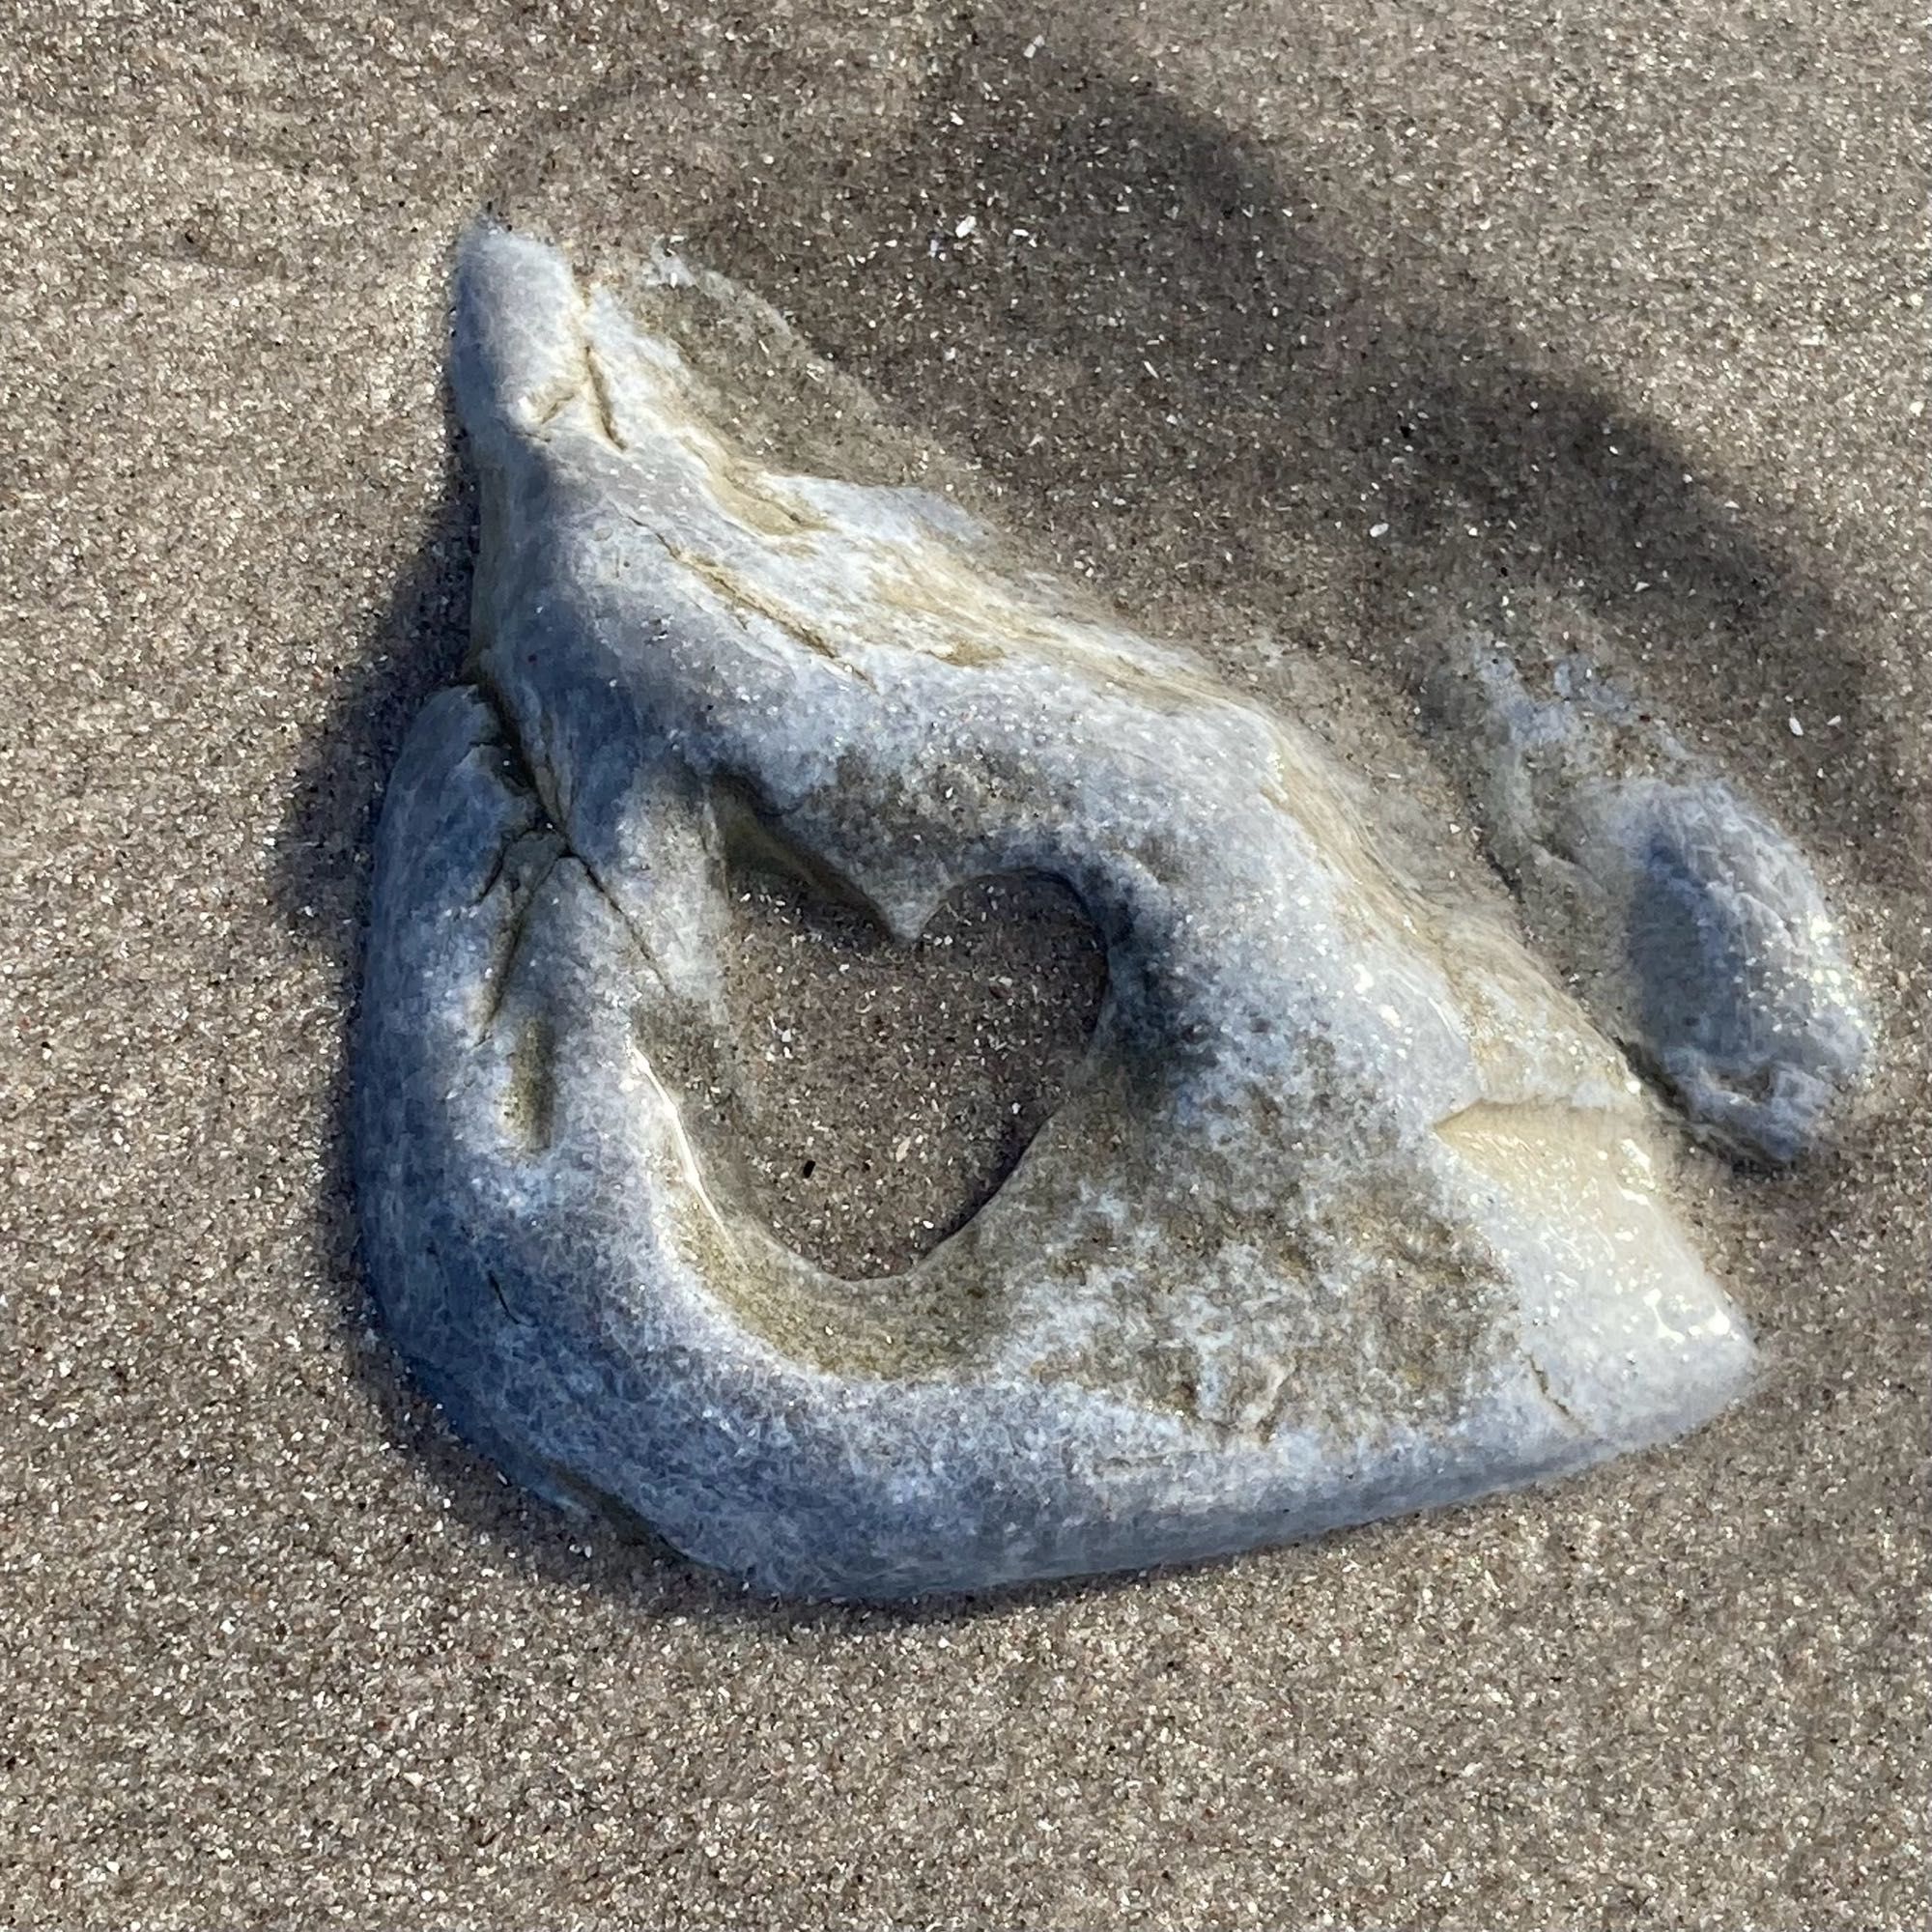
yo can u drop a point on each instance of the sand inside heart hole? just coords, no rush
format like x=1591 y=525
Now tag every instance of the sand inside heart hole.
x=888 y=1090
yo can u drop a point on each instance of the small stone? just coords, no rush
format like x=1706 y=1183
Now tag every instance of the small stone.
x=1349 y=1210
x=1695 y=927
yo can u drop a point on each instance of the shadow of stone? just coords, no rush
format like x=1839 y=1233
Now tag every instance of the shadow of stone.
x=1146 y=299
x=1167 y=290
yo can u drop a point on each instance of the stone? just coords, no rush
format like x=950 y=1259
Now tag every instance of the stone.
x=1349 y=1210
x=1695 y=928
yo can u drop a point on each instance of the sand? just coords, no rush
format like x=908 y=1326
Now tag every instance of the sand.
x=1301 y=329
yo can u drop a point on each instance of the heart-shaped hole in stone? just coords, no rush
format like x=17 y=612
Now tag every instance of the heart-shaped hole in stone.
x=888 y=1089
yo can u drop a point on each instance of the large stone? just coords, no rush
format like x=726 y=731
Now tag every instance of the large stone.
x=1349 y=1210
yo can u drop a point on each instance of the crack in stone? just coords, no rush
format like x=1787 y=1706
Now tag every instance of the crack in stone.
x=497 y=865
x=553 y=819
x=1547 y=1393
x=597 y=387
x=591 y=383
x=515 y=931
x=739 y=596
x=503 y=1301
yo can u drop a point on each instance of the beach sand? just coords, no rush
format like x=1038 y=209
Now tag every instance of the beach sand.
x=1301 y=329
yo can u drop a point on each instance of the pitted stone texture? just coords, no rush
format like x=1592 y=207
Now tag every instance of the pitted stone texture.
x=1695 y=928
x=1349 y=1210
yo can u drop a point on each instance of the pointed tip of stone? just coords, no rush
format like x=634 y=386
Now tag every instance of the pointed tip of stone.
x=517 y=347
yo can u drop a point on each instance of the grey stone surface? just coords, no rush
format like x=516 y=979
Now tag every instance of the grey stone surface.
x=1695 y=928
x=1350 y=1209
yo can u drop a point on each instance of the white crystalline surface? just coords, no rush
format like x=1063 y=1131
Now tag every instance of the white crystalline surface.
x=1349 y=1212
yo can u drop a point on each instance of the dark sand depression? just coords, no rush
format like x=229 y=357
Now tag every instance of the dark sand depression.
x=1301 y=330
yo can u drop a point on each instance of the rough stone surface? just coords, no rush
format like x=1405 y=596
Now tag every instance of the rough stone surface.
x=1695 y=927
x=1348 y=1211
